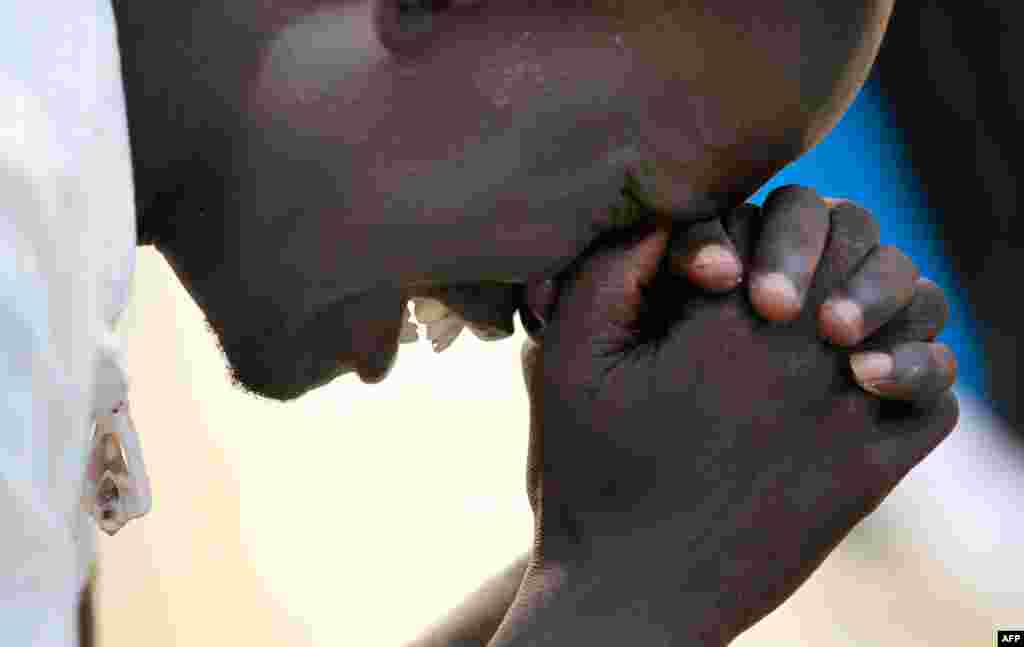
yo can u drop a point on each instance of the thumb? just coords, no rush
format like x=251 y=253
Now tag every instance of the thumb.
x=529 y=355
x=910 y=433
x=601 y=296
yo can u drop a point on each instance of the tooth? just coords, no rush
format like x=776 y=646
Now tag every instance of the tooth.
x=409 y=333
x=429 y=310
x=442 y=333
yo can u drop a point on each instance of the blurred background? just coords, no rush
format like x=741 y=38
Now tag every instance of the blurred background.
x=360 y=514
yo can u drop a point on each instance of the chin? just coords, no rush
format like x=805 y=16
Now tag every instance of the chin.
x=275 y=376
x=282 y=363
x=284 y=368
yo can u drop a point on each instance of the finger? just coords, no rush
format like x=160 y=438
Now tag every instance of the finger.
x=743 y=226
x=539 y=296
x=853 y=233
x=916 y=372
x=529 y=355
x=909 y=434
x=879 y=288
x=922 y=320
x=796 y=224
x=531 y=323
x=601 y=294
x=702 y=252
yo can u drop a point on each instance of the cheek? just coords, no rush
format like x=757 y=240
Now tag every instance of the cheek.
x=500 y=244
x=495 y=145
x=497 y=140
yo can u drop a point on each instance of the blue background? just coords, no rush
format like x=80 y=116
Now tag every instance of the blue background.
x=865 y=160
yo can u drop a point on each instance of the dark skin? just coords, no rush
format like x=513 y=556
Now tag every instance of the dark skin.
x=285 y=169
x=671 y=506
x=295 y=130
x=790 y=357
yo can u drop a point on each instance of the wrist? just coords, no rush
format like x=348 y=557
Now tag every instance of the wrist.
x=577 y=603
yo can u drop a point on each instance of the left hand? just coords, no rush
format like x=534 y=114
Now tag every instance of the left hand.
x=884 y=311
x=690 y=465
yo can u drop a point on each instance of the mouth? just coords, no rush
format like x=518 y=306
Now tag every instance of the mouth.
x=362 y=333
x=487 y=309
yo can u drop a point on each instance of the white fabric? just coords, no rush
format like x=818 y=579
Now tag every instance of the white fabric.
x=67 y=248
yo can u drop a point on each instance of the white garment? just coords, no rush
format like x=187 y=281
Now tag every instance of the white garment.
x=67 y=249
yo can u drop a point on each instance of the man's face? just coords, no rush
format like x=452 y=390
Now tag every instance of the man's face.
x=334 y=158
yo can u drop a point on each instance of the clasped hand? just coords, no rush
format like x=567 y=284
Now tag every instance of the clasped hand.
x=691 y=463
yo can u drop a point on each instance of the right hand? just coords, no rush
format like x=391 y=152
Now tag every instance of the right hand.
x=681 y=444
x=883 y=304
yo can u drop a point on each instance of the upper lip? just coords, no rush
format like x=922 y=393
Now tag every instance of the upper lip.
x=318 y=358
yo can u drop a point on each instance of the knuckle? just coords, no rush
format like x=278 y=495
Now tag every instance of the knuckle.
x=795 y=190
x=928 y=369
x=915 y=352
x=793 y=195
x=699 y=235
x=850 y=212
x=745 y=211
x=944 y=360
x=929 y=304
x=930 y=300
x=939 y=312
x=853 y=227
x=930 y=290
x=740 y=226
x=892 y=269
x=894 y=255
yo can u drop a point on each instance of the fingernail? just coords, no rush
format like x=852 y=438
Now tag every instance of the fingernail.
x=871 y=368
x=775 y=296
x=842 y=321
x=717 y=266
